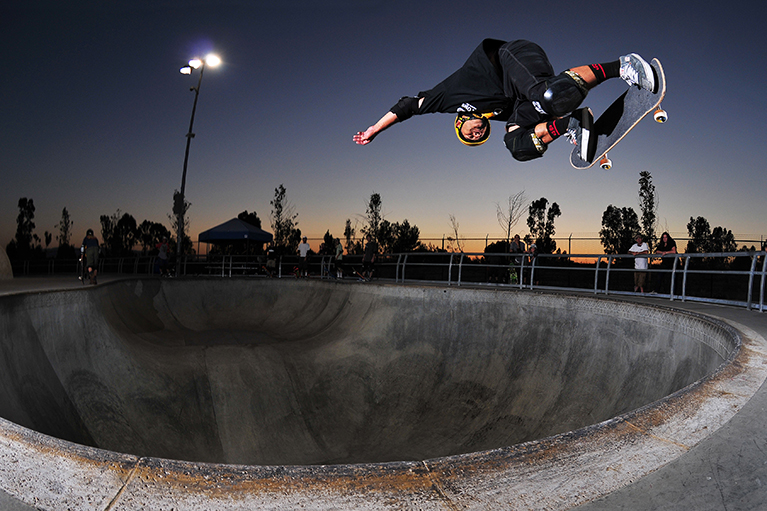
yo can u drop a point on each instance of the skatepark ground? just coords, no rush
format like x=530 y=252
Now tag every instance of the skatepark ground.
x=725 y=470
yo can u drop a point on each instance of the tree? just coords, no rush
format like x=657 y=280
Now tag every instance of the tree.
x=385 y=236
x=21 y=246
x=126 y=231
x=66 y=250
x=509 y=215
x=351 y=245
x=373 y=216
x=283 y=217
x=705 y=240
x=181 y=207
x=119 y=233
x=699 y=231
x=722 y=240
x=328 y=244
x=649 y=208
x=619 y=229
x=108 y=224
x=541 y=224
x=149 y=234
x=406 y=237
x=251 y=218
x=26 y=244
x=455 y=243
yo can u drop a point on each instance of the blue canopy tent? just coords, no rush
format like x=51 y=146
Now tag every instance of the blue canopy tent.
x=233 y=231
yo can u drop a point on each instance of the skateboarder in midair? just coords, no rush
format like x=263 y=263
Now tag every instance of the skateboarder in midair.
x=514 y=82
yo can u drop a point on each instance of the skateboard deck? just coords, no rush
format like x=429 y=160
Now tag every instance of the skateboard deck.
x=621 y=117
x=82 y=270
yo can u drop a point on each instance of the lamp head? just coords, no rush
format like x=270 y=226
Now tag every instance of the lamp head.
x=212 y=60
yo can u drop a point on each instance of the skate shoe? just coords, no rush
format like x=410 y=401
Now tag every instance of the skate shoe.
x=580 y=133
x=635 y=71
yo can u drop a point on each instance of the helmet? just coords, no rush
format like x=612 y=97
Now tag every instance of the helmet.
x=462 y=117
x=89 y=232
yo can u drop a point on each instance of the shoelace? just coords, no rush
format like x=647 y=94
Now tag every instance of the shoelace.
x=572 y=135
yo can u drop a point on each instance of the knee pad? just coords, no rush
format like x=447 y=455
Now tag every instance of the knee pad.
x=565 y=93
x=524 y=145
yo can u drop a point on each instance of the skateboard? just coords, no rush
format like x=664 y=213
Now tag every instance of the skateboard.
x=621 y=117
x=82 y=269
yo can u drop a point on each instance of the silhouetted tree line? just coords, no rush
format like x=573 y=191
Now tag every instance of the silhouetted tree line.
x=121 y=235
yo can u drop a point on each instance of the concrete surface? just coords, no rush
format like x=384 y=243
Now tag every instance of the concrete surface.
x=359 y=396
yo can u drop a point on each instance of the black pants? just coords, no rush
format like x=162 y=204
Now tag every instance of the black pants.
x=526 y=69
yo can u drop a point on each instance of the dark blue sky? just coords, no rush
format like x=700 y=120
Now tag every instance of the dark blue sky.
x=94 y=112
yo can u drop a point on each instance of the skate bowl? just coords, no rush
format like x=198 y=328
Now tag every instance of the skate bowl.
x=285 y=394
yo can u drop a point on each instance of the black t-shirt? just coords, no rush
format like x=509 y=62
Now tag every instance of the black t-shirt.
x=476 y=86
x=665 y=247
x=371 y=249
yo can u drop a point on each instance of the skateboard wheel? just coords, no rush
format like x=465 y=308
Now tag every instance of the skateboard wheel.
x=605 y=163
x=660 y=115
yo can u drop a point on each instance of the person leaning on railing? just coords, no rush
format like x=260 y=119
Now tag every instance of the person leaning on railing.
x=666 y=246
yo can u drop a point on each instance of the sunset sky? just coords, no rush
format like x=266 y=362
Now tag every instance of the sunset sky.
x=94 y=112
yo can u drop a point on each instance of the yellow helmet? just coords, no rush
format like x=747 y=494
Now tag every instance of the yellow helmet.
x=462 y=117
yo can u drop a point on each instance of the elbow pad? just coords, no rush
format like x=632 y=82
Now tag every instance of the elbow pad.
x=405 y=108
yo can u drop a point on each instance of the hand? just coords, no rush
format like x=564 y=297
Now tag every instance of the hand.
x=365 y=137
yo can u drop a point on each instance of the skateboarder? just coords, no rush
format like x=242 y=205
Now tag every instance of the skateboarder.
x=91 y=245
x=515 y=83
x=369 y=259
x=303 y=253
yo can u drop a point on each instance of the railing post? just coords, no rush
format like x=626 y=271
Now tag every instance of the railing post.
x=450 y=269
x=684 y=278
x=607 y=274
x=751 y=281
x=460 y=268
x=764 y=273
x=404 y=264
x=522 y=272
x=596 y=275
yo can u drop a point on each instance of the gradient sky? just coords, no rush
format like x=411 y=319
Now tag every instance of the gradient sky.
x=94 y=112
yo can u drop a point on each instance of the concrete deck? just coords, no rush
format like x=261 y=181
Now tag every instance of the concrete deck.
x=701 y=449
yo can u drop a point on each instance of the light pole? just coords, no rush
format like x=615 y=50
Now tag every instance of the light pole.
x=178 y=199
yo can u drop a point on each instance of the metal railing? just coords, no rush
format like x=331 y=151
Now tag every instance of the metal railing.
x=730 y=278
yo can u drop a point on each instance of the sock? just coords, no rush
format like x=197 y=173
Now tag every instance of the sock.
x=557 y=128
x=606 y=71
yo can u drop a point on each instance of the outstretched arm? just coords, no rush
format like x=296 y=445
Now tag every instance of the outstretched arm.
x=405 y=108
x=367 y=136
